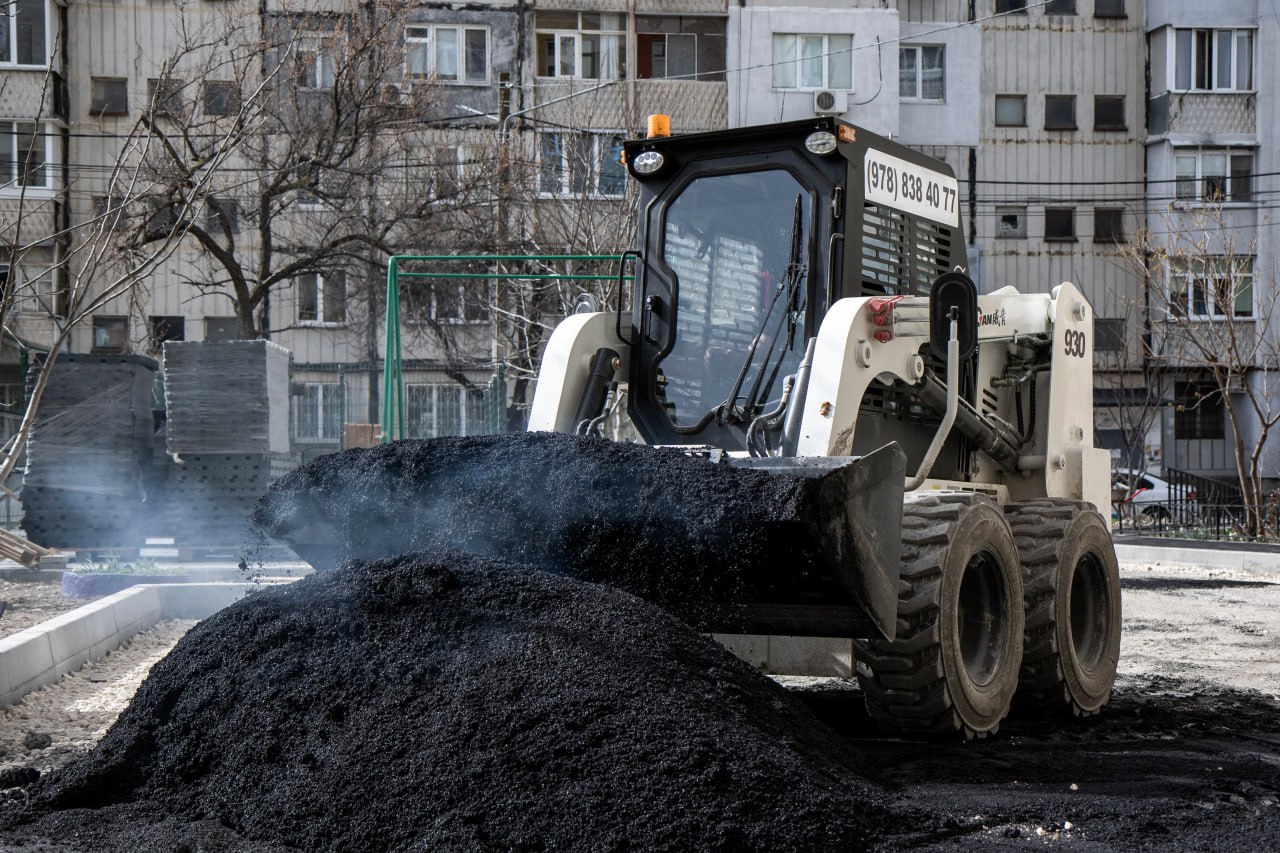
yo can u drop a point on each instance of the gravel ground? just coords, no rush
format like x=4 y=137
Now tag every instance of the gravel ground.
x=73 y=714
x=32 y=603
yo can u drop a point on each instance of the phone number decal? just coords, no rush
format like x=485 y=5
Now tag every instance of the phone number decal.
x=910 y=188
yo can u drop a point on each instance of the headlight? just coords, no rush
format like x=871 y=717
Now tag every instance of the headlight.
x=820 y=142
x=648 y=162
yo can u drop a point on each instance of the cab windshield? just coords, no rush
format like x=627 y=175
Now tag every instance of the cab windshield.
x=738 y=245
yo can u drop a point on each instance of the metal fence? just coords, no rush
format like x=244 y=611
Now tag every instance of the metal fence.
x=1180 y=502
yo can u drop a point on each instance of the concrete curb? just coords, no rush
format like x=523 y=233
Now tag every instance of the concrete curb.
x=1259 y=562
x=42 y=654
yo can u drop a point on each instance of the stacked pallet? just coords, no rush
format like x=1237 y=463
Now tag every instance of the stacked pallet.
x=89 y=452
x=227 y=407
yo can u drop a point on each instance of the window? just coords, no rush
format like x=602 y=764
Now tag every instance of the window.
x=452 y=174
x=449 y=54
x=1213 y=175
x=110 y=334
x=317 y=185
x=221 y=329
x=434 y=410
x=108 y=97
x=1059 y=224
x=447 y=301
x=1213 y=60
x=1011 y=110
x=220 y=97
x=1108 y=335
x=1108 y=8
x=22 y=33
x=1200 y=413
x=1011 y=222
x=1017 y=7
x=585 y=45
x=322 y=297
x=922 y=73
x=580 y=164
x=110 y=211
x=164 y=97
x=1108 y=225
x=24 y=157
x=1060 y=112
x=1060 y=7
x=812 y=61
x=1211 y=287
x=1108 y=112
x=166 y=329
x=680 y=46
x=314 y=62
x=317 y=411
x=33 y=283
x=162 y=216
x=222 y=215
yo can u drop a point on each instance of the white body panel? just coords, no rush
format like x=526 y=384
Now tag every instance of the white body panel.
x=565 y=365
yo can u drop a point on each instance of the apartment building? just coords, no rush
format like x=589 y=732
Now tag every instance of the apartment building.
x=537 y=95
x=1211 y=166
x=1073 y=127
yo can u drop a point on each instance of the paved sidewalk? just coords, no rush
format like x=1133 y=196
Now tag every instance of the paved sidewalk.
x=1249 y=557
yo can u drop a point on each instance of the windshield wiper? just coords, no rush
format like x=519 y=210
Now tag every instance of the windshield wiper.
x=790 y=285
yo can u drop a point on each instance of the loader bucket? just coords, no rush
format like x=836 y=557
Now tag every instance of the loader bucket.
x=757 y=544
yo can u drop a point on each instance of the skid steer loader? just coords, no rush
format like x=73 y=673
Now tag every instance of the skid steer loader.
x=865 y=448
x=801 y=304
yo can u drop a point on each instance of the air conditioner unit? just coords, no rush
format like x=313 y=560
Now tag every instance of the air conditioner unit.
x=828 y=103
x=1235 y=384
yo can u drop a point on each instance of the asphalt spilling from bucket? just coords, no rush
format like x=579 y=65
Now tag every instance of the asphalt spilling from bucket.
x=655 y=522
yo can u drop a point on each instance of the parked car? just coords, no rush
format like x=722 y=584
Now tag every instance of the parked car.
x=1147 y=500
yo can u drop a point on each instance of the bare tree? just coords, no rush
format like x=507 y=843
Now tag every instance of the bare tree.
x=288 y=150
x=569 y=195
x=59 y=274
x=1214 y=316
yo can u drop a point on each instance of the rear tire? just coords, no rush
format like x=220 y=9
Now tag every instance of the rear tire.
x=953 y=666
x=1072 y=583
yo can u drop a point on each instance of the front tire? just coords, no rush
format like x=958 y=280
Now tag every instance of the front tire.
x=953 y=666
x=1072 y=582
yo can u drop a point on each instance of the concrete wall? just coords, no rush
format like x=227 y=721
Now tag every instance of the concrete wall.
x=1197 y=13
x=873 y=101
x=957 y=121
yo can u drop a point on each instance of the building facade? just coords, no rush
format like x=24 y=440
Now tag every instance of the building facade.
x=1080 y=131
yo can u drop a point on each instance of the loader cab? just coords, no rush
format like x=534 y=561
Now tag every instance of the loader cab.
x=746 y=237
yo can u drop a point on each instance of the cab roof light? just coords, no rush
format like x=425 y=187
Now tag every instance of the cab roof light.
x=820 y=142
x=648 y=162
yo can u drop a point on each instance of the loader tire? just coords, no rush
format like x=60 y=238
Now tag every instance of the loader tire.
x=1072 y=586
x=953 y=666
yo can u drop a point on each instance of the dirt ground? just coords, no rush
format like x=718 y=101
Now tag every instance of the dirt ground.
x=1185 y=757
x=30 y=603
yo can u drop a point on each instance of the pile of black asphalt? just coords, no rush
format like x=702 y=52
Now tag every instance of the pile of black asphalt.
x=452 y=701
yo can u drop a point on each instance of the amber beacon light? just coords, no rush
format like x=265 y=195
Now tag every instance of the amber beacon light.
x=659 y=125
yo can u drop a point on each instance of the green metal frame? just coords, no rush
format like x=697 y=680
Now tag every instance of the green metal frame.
x=393 y=404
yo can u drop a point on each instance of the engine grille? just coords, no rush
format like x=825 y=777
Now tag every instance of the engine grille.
x=901 y=254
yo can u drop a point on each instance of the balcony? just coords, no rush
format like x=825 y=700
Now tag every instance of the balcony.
x=692 y=104
x=1203 y=113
